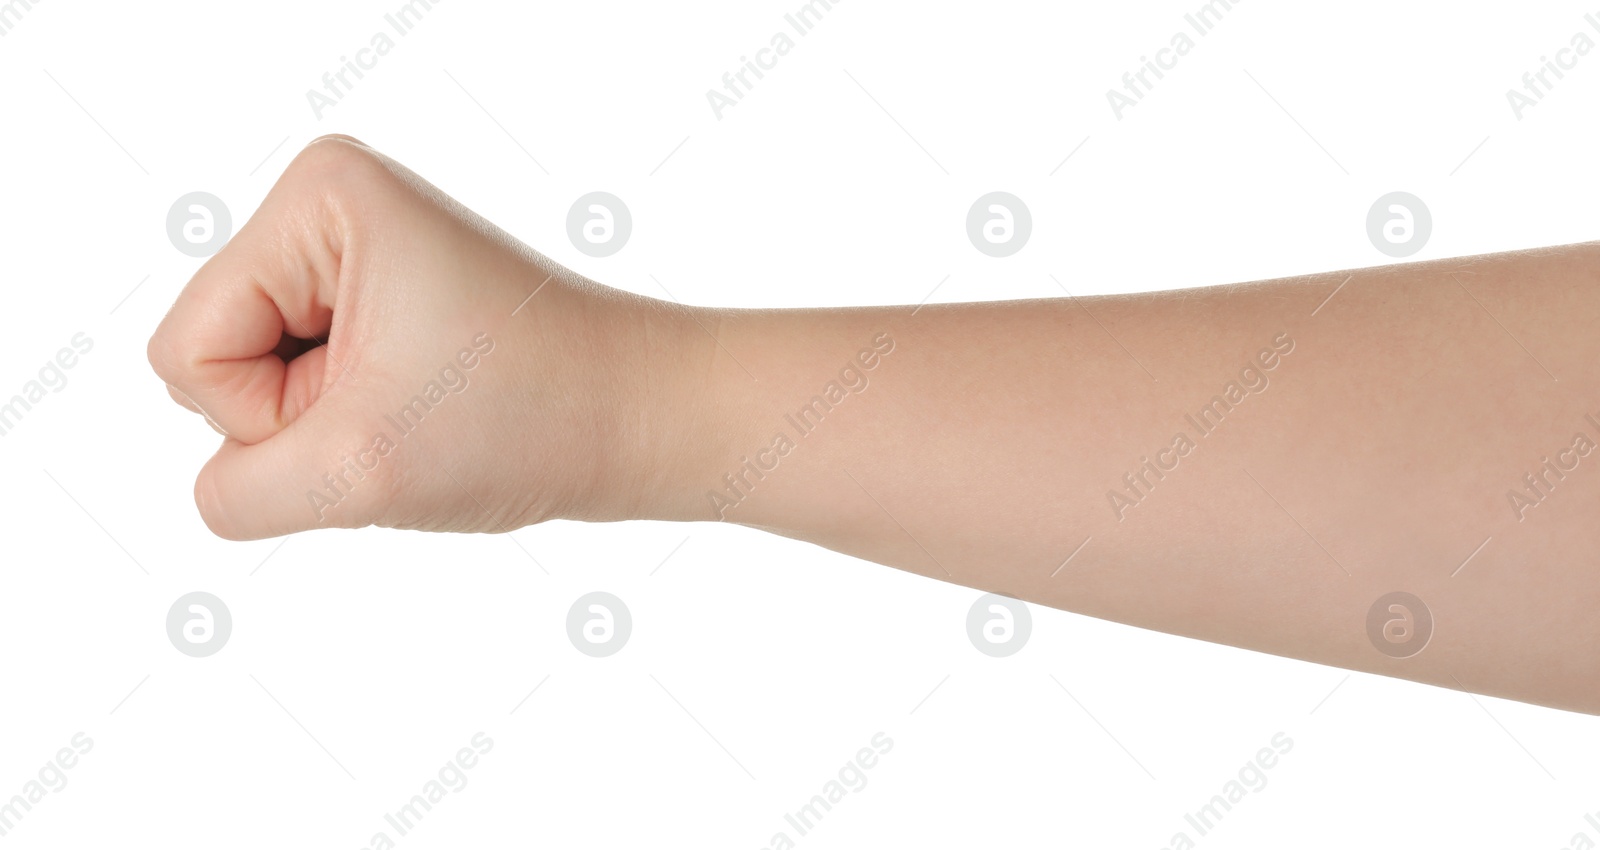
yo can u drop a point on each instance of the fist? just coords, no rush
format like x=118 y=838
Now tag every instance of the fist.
x=374 y=353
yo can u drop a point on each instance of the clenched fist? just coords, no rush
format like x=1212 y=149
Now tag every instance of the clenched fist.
x=375 y=353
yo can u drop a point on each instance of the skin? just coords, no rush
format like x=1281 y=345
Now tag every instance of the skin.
x=973 y=443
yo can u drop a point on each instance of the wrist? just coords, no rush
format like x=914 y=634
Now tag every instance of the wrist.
x=668 y=414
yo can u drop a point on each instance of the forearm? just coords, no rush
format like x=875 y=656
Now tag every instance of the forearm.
x=1368 y=447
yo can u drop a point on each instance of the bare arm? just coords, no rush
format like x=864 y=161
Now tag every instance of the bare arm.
x=1259 y=465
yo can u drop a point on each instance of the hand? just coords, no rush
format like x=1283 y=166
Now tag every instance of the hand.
x=375 y=353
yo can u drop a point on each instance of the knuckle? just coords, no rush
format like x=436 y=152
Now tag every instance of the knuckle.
x=333 y=182
x=341 y=137
x=336 y=163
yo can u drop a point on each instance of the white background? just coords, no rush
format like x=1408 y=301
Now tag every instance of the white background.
x=758 y=666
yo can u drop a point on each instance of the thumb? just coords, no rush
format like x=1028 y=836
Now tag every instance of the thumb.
x=317 y=473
